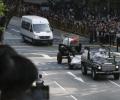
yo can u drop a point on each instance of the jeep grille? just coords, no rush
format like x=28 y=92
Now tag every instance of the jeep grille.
x=108 y=67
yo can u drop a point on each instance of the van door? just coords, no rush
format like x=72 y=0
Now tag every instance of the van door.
x=31 y=33
x=26 y=28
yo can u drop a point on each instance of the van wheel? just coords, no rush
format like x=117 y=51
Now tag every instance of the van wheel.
x=33 y=42
x=50 y=43
x=23 y=38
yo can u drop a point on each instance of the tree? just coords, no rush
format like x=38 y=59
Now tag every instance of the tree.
x=2 y=18
x=13 y=8
x=2 y=8
x=8 y=9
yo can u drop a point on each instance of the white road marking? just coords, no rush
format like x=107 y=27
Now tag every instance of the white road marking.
x=114 y=83
x=32 y=58
x=46 y=56
x=94 y=92
x=79 y=79
x=74 y=98
x=47 y=74
x=15 y=30
x=44 y=73
x=43 y=55
x=70 y=73
x=75 y=77
x=59 y=86
x=38 y=51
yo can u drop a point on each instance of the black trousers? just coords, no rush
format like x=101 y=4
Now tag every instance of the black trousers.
x=118 y=42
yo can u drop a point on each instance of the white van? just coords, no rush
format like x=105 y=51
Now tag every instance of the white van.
x=36 y=29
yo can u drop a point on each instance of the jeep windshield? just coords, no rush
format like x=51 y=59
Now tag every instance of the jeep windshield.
x=104 y=60
x=41 y=28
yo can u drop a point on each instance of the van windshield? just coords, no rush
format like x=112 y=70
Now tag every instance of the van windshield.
x=41 y=28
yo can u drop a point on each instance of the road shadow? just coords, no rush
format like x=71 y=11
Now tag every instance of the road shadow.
x=36 y=44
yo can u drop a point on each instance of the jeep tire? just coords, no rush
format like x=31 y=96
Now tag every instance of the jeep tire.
x=116 y=76
x=59 y=58
x=71 y=66
x=83 y=69
x=94 y=75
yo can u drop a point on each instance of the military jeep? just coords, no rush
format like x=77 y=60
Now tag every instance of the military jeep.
x=68 y=49
x=99 y=64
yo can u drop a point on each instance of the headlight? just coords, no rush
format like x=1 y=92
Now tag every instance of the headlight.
x=36 y=37
x=99 y=67
x=117 y=67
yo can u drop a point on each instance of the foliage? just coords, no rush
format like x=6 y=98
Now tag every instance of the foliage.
x=2 y=8
x=13 y=7
x=2 y=21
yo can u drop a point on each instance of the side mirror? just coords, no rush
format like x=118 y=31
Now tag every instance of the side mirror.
x=52 y=29
x=31 y=30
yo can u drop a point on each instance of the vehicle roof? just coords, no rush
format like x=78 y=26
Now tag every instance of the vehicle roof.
x=35 y=19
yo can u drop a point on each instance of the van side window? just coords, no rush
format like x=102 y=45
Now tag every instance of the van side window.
x=25 y=25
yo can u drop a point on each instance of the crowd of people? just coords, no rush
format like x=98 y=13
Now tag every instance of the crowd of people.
x=98 y=26
x=104 y=30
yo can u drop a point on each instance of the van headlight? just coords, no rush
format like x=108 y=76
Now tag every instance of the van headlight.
x=117 y=67
x=51 y=35
x=36 y=37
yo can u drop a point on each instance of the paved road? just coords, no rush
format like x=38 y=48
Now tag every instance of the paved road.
x=64 y=84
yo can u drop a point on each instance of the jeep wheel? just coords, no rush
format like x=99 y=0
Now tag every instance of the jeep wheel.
x=71 y=66
x=83 y=69
x=94 y=75
x=33 y=41
x=69 y=60
x=116 y=76
x=59 y=58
